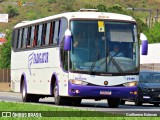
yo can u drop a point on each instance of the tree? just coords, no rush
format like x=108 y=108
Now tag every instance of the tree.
x=101 y=8
x=5 y=51
x=153 y=34
x=12 y=11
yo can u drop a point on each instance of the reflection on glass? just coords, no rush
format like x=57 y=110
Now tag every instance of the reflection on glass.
x=149 y=77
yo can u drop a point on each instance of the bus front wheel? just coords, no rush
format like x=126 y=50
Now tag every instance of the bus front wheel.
x=113 y=102
x=58 y=99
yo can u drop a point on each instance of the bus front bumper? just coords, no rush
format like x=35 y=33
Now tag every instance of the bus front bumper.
x=101 y=91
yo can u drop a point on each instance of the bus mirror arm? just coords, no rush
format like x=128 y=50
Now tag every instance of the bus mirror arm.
x=67 y=40
x=144 y=42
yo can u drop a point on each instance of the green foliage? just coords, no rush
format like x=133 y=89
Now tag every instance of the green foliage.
x=153 y=33
x=32 y=15
x=67 y=4
x=12 y=11
x=52 y=1
x=142 y=27
x=117 y=9
x=88 y=6
x=5 y=51
x=101 y=8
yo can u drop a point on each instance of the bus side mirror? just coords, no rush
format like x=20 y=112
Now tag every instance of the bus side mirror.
x=144 y=42
x=67 y=40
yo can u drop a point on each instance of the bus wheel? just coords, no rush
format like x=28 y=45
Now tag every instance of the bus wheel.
x=113 y=102
x=76 y=101
x=122 y=102
x=58 y=99
x=138 y=102
x=156 y=104
x=35 y=98
x=25 y=96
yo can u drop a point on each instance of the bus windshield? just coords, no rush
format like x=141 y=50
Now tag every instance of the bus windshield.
x=104 y=46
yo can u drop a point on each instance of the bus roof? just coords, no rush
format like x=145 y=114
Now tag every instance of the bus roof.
x=80 y=15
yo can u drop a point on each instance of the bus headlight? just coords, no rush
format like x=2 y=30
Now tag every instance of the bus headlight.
x=78 y=82
x=129 y=84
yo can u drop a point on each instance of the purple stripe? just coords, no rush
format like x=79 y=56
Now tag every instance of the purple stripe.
x=94 y=91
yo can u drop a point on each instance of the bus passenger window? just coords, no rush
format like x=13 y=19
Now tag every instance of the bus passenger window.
x=20 y=39
x=15 y=39
x=28 y=37
x=24 y=40
x=56 y=32
x=35 y=35
x=32 y=36
x=43 y=38
x=39 y=35
x=52 y=26
x=47 y=33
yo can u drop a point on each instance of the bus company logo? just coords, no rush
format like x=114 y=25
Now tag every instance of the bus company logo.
x=37 y=58
x=130 y=78
x=79 y=77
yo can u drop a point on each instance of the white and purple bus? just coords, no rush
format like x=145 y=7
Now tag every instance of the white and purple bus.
x=67 y=56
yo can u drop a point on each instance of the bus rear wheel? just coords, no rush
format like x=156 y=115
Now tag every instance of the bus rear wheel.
x=25 y=96
x=113 y=102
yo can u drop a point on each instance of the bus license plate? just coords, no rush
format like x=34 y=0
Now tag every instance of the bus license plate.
x=105 y=92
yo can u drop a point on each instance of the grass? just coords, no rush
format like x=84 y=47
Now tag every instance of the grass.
x=58 y=112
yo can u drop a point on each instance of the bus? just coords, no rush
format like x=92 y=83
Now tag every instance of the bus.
x=67 y=56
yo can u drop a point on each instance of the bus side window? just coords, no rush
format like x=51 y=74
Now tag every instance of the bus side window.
x=32 y=36
x=24 y=40
x=35 y=35
x=39 y=36
x=56 y=32
x=43 y=38
x=48 y=27
x=20 y=39
x=28 y=36
x=52 y=28
x=17 y=39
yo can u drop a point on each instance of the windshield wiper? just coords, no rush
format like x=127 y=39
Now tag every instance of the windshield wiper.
x=111 y=59
x=94 y=62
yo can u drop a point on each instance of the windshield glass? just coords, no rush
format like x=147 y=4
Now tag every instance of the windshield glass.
x=103 y=46
x=149 y=77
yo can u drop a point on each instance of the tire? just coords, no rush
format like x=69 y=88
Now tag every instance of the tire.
x=34 y=98
x=113 y=102
x=58 y=99
x=122 y=102
x=138 y=102
x=76 y=101
x=156 y=104
x=25 y=96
